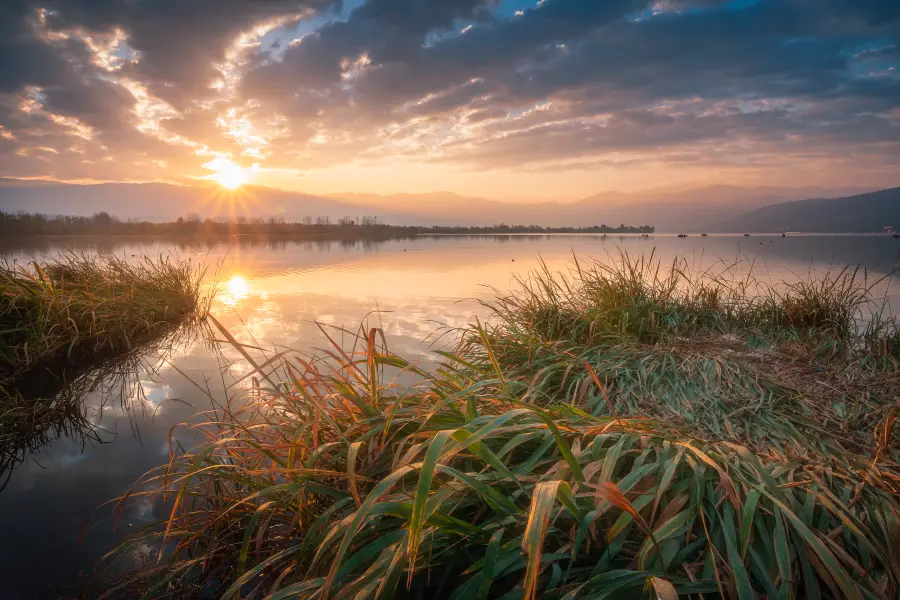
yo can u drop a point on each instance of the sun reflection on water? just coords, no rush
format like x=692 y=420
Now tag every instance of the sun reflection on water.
x=238 y=289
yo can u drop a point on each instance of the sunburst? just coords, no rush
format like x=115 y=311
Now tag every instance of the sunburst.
x=226 y=173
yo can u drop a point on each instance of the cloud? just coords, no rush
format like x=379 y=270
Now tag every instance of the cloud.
x=782 y=67
x=180 y=43
x=111 y=72
x=472 y=84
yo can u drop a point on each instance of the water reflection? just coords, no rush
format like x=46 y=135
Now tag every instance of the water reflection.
x=50 y=402
x=237 y=289
x=113 y=243
x=114 y=424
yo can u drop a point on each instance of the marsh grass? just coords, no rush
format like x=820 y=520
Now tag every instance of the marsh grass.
x=75 y=323
x=77 y=306
x=614 y=433
x=730 y=355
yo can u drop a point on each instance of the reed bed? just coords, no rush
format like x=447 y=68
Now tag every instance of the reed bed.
x=63 y=318
x=80 y=305
x=730 y=356
x=617 y=432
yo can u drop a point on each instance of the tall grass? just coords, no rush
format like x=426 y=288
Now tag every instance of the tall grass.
x=614 y=434
x=67 y=324
x=726 y=354
x=80 y=305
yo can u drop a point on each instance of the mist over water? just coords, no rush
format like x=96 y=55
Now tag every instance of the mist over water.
x=271 y=295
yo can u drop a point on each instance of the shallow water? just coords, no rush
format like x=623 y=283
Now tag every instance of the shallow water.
x=270 y=296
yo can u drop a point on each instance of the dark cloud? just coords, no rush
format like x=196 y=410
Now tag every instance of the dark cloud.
x=23 y=58
x=95 y=102
x=602 y=58
x=179 y=41
x=50 y=46
x=387 y=31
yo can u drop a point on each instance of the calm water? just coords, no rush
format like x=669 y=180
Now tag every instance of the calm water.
x=270 y=297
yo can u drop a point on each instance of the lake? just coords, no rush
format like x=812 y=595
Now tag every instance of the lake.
x=272 y=295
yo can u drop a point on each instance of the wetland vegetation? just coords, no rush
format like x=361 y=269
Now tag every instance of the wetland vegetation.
x=610 y=432
x=76 y=322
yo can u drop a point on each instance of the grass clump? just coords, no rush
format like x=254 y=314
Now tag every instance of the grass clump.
x=61 y=317
x=731 y=357
x=605 y=436
x=79 y=305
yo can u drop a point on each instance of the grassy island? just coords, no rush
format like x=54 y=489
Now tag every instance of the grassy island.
x=63 y=316
x=614 y=432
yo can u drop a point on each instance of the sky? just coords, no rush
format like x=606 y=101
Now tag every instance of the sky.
x=506 y=99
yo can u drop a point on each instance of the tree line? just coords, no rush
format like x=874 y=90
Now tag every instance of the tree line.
x=102 y=223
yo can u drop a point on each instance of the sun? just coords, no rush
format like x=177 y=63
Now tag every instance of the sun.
x=226 y=173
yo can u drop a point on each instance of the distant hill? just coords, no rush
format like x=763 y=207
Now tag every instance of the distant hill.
x=687 y=210
x=861 y=213
x=667 y=210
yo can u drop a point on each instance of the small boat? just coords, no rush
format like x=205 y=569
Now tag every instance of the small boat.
x=682 y=235
x=704 y=235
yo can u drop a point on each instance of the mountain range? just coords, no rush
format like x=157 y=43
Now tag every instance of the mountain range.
x=669 y=210
x=874 y=211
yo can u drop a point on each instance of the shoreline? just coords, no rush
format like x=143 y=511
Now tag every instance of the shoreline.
x=393 y=236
